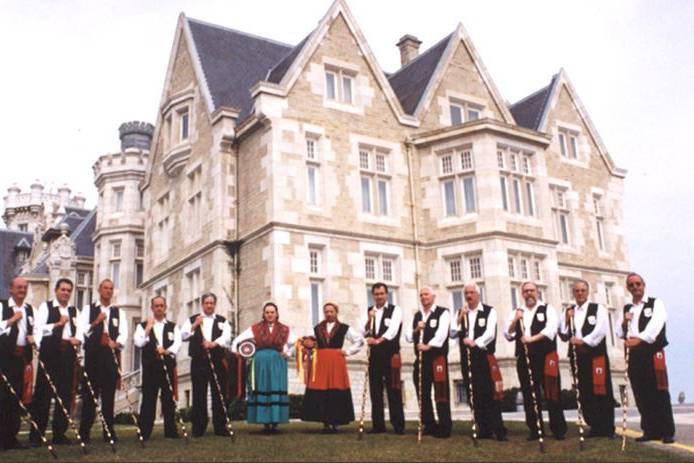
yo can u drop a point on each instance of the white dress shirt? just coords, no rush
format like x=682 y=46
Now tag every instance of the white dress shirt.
x=5 y=328
x=247 y=334
x=654 y=326
x=442 y=328
x=489 y=330
x=392 y=326
x=86 y=328
x=600 y=321
x=207 y=324
x=550 y=329
x=141 y=340
x=45 y=329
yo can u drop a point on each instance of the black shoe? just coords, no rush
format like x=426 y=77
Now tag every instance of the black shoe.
x=646 y=438
x=668 y=440
x=532 y=437
x=399 y=431
x=486 y=435
x=502 y=438
x=16 y=445
x=61 y=440
x=86 y=439
x=376 y=431
x=172 y=436
x=442 y=435
x=560 y=437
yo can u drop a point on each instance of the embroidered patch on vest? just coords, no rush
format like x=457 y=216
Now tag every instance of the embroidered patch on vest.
x=31 y=320
x=114 y=322
x=220 y=325
x=482 y=322
x=170 y=335
x=591 y=319
x=647 y=312
x=432 y=323
x=386 y=321
x=540 y=317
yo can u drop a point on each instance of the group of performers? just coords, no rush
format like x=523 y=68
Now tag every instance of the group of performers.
x=260 y=355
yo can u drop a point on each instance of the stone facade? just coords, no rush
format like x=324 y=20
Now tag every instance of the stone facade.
x=323 y=189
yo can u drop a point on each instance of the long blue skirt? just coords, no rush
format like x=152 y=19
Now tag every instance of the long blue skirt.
x=267 y=399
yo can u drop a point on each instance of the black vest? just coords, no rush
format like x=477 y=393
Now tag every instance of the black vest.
x=149 y=351
x=660 y=340
x=195 y=345
x=9 y=342
x=50 y=343
x=93 y=341
x=585 y=349
x=392 y=346
x=430 y=331
x=541 y=347
x=479 y=329
x=338 y=339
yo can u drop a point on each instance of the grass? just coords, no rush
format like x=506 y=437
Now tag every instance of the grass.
x=303 y=442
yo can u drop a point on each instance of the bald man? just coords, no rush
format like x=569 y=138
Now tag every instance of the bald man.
x=16 y=344
x=429 y=334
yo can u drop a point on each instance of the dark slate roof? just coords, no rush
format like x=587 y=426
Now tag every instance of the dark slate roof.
x=73 y=218
x=82 y=235
x=528 y=111
x=8 y=268
x=233 y=62
x=410 y=81
x=276 y=74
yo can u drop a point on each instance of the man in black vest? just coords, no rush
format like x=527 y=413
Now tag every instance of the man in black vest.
x=159 y=340
x=16 y=343
x=207 y=333
x=591 y=324
x=381 y=325
x=105 y=331
x=56 y=321
x=480 y=340
x=429 y=333
x=541 y=325
x=643 y=329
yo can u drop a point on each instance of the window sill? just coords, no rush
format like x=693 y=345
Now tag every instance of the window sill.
x=346 y=107
x=574 y=162
x=379 y=219
x=453 y=221
x=522 y=219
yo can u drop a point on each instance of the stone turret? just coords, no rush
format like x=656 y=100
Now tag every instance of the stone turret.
x=135 y=134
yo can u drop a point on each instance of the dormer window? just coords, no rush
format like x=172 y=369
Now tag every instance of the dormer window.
x=184 y=123
x=463 y=111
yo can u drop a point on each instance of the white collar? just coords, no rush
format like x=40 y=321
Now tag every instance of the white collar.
x=537 y=304
x=57 y=304
x=477 y=307
x=12 y=303
x=212 y=316
x=644 y=299
x=583 y=306
x=100 y=306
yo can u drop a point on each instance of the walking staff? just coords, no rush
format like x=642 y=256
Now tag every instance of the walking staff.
x=471 y=393
x=369 y=331
x=575 y=380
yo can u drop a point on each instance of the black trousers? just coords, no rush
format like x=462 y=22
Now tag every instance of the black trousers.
x=380 y=375
x=13 y=369
x=653 y=405
x=102 y=371
x=201 y=375
x=60 y=366
x=598 y=410
x=154 y=384
x=557 y=422
x=487 y=410
x=443 y=407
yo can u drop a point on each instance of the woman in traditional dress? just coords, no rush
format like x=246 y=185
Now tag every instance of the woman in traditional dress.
x=267 y=384
x=328 y=398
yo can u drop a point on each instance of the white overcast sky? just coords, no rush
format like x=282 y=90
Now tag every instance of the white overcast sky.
x=73 y=70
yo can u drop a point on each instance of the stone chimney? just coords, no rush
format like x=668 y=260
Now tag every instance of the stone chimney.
x=409 y=48
x=64 y=195
x=135 y=134
x=36 y=193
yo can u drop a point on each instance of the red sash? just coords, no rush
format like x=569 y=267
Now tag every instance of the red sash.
x=395 y=365
x=240 y=383
x=27 y=391
x=174 y=383
x=104 y=340
x=440 y=379
x=599 y=375
x=551 y=376
x=660 y=371
x=497 y=380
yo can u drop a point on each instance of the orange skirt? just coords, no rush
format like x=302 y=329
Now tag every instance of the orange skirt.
x=331 y=371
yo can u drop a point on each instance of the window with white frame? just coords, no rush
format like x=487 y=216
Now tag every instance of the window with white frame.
x=463 y=111
x=118 y=194
x=381 y=268
x=457 y=180
x=568 y=143
x=115 y=263
x=161 y=291
x=375 y=180
x=561 y=214
x=463 y=269
x=162 y=227
x=523 y=266
x=312 y=170
x=611 y=309
x=184 y=123
x=316 y=282
x=339 y=85
x=566 y=291
x=516 y=181
x=139 y=262
x=194 y=202
x=193 y=292
x=83 y=289
x=599 y=222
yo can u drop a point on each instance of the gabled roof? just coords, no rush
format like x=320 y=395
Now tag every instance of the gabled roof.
x=9 y=240
x=410 y=81
x=82 y=235
x=278 y=71
x=529 y=111
x=232 y=62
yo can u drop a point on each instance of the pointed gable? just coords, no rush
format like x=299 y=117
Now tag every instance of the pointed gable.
x=530 y=111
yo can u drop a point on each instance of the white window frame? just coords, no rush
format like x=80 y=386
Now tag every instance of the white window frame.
x=561 y=215
x=341 y=78
x=468 y=111
x=118 y=198
x=379 y=201
x=379 y=276
x=457 y=166
x=517 y=182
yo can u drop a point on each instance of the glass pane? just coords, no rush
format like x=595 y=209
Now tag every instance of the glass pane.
x=562 y=144
x=473 y=114
x=370 y=268
x=369 y=297
x=311 y=149
x=380 y=163
x=511 y=267
x=446 y=165
x=330 y=85
x=564 y=226
x=449 y=191
x=457 y=300
x=456 y=274
x=347 y=90
x=504 y=193
x=312 y=185
x=517 y=196
x=466 y=160
x=315 y=302
x=531 y=198
x=387 y=270
x=364 y=159
x=574 y=148
x=184 y=126
x=514 y=298
x=366 y=194
x=383 y=197
x=456 y=115
x=469 y=189
x=500 y=159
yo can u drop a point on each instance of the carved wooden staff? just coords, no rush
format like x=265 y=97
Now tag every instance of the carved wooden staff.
x=625 y=396
x=372 y=326
x=532 y=391
x=61 y=404
x=419 y=387
x=173 y=399
x=575 y=378
x=229 y=427
x=469 y=379
x=97 y=407
x=127 y=399
x=27 y=416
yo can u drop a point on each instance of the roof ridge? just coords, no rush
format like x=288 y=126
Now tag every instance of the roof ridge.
x=428 y=50
x=247 y=34
x=16 y=232
x=533 y=94
x=83 y=224
x=301 y=43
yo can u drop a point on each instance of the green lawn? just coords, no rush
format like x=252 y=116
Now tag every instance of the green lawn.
x=303 y=442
